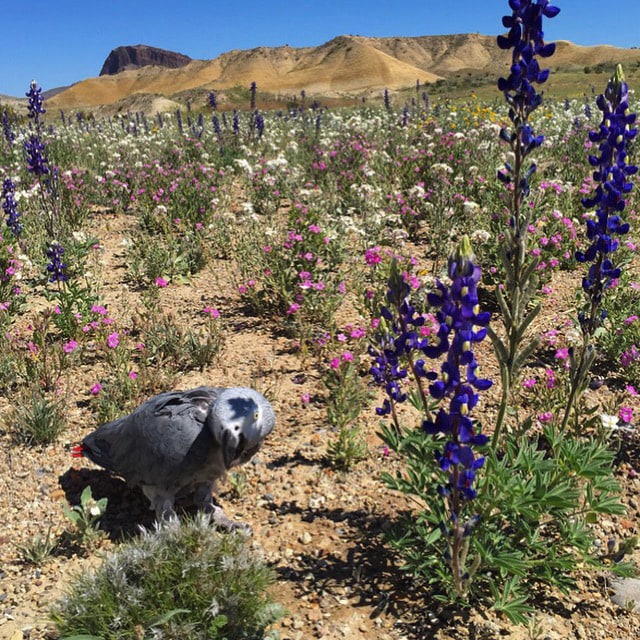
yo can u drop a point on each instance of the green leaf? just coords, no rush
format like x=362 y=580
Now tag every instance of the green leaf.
x=165 y=617
x=523 y=355
x=526 y=321
x=506 y=312
x=499 y=346
x=511 y=562
x=526 y=274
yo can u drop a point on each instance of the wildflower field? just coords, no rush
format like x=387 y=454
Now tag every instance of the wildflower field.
x=440 y=298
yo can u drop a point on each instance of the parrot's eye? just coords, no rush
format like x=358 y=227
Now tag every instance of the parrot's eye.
x=256 y=415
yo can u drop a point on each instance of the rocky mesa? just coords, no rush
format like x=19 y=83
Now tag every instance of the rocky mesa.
x=140 y=55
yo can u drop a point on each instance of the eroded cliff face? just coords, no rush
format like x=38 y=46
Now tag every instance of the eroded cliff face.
x=140 y=55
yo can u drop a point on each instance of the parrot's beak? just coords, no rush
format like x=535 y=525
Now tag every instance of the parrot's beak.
x=232 y=447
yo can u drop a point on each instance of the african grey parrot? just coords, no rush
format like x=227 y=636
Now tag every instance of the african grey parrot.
x=181 y=442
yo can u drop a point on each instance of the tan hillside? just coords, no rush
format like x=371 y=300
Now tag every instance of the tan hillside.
x=344 y=66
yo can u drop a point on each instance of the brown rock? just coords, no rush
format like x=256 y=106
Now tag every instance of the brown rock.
x=140 y=55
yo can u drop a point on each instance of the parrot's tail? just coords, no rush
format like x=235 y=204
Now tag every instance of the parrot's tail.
x=78 y=451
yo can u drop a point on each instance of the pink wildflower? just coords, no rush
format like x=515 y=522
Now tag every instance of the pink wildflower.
x=161 y=282
x=213 y=313
x=372 y=256
x=529 y=383
x=70 y=346
x=562 y=354
x=551 y=378
x=132 y=375
x=626 y=414
x=347 y=356
x=96 y=389
x=547 y=416
x=113 y=340
x=293 y=308
x=335 y=363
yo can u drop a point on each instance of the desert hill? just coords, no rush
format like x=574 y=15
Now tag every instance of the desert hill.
x=345 y=66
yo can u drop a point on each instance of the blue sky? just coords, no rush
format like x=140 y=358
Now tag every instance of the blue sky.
x=62 y=42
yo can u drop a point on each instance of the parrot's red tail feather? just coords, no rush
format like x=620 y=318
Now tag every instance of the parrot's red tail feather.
x=78 y=451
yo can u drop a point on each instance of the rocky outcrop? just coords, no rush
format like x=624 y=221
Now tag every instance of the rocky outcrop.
x=140 y=55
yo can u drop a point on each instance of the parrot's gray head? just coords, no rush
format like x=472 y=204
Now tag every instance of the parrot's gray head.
x=241 y=418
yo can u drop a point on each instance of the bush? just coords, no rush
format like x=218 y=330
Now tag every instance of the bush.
x=182 y=580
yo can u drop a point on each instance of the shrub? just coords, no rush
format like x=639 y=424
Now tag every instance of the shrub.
x=182 y=580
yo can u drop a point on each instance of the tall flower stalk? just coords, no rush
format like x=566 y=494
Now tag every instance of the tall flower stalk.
x=612 y=184
x=459 y=311
x=516 y=300
x=454 y=389
x=10 y=207
x=37 y=161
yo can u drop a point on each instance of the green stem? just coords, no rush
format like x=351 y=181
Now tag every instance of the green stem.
x=502 y=411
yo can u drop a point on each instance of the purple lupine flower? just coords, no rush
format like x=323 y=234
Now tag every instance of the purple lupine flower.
x=8 y=133
x=35 y=107
x=525 y=37
x=611 y=176
x=587 y=110
x=213 y=102
x=394 y=346
x=216 y=125
x=236 y=122
x=387 y=101
x=253 y=90
x=455 y=389
x=259 y=122
x=463 y=324
x=35 y=156
x=10 y=207
x=55 y=267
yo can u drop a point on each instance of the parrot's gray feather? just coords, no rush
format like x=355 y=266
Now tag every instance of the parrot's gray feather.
x=182 y=441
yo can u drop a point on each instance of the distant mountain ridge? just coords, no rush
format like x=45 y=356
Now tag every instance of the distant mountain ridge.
x=347 y=65
x=140 y=55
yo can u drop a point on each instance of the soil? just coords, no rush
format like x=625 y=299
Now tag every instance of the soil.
x=319 y=527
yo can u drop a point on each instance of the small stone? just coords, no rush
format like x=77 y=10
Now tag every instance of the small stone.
x=315 y=502
x=314 y=615
x=305 y=538
x=626 y=593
